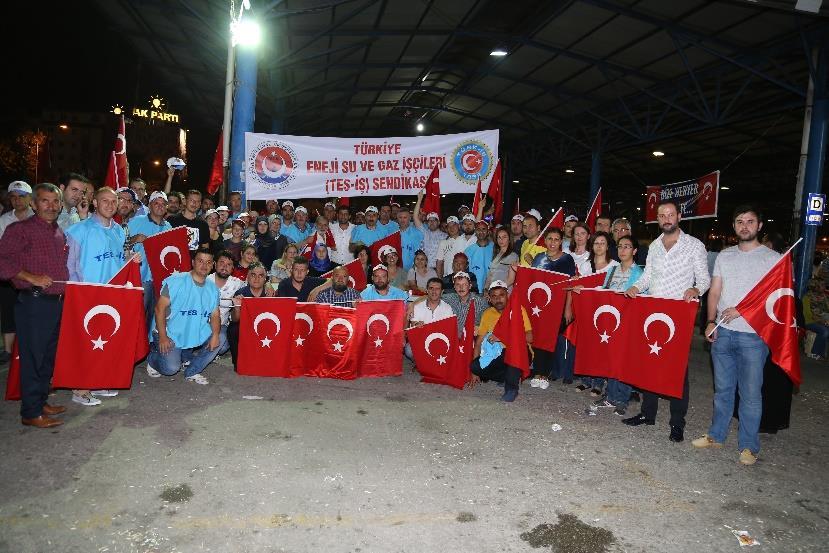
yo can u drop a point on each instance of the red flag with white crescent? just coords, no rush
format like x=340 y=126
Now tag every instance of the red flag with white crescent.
x=431 y=197
x=556 y=221
x=496 y=194
x=594 y=211
x=167 y=253
x=116 y=175
x=129 y=275
x=466 y=343
x=266 y=328
x=305 y=354
x=357 y=278
x=542 y=293
x=337 y=344
x=97 y=344
x=510 y=331
x=435 y=355
x=379 y=329
x=393 y=240
x=770 y=310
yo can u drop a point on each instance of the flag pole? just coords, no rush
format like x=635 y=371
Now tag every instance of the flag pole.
x=782 y=257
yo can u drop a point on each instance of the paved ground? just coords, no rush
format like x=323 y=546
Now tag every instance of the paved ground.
x=395 y=465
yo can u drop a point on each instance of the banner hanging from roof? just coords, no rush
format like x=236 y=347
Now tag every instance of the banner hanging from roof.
x=288 y=167
x=697 y=198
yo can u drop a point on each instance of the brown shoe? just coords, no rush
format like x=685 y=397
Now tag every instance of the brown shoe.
x=53 y=409
x=41 y=422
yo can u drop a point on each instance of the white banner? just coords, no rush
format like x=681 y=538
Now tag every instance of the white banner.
x=290 y=167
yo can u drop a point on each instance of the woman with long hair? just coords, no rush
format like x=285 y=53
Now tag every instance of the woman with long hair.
x=578 y=245
x=397 y=277
x=364 y=255
x=248 y=258
x=503 y=257
x=281 y=268
x=419 y=274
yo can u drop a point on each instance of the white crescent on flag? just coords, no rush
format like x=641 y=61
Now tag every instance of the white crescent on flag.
x=168 y=250
x=340 y=322
x=605 y=337
x=653 y=317
x=269 y=316
x=378 y=317
x=101 y=309
x=772 y=300
x=307 y=318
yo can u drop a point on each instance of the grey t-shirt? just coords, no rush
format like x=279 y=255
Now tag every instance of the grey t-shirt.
x=740 y=271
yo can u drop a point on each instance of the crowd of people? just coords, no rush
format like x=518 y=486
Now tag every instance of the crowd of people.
x=74 y=231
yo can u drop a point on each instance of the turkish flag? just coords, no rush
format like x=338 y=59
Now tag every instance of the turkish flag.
x=345 y=201
x=510 y=331
x=379 y=348
x=476 y=203
x=466 y=343
x=431 y=197
x=557 y=221
x=97 y=346
x=265 y=331
x=435 y=356
x=305 y=355
x=217 y=171
x=594 y=211
x=652 y=195
x=496 y=194
x=357 y=278
x=13 y=380
x=167 y=253
x=116 y=176
x=598 y=333
x=770 y=310
x=392 y=239
x=329 y=239
x=593 y=280
x=543 y=296
x=337 y=344
x=129 y=275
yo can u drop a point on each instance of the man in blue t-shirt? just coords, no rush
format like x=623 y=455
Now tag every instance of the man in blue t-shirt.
x=367 y=233
x=299 y=230
x=187 y=322
x=379 y=289
x=411 y=238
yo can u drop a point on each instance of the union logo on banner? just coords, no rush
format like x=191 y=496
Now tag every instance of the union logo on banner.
x=273 y=164
x=697 y=198
x=472 y=161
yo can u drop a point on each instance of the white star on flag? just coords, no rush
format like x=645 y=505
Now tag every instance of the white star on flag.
x=98 y=344
x=299 y=340
x=605 y=337
x=441 y=359
x=536 y=311
x=378 y=342
x=266 y=342
x=460 y=349
x=338 y=346
x=655 y=348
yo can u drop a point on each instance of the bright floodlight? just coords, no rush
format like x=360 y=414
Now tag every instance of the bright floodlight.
x=246 y=32
x=657 y=153
x=569 y=170
x=498 y=52
x=419 y=127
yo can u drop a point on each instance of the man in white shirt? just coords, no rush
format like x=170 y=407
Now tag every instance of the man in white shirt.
x=432 y=235
x=341 y=229
x=455 y=243
x=677 y=267
x=228 y=285
x=427 y=309
x=20 y=195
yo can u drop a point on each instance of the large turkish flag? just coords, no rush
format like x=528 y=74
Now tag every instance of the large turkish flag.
x=510 y=331
x=435 y=355
x=379 y=329
x=97 y=345
x=338 y=344
x=543 y=294
x=466 y=342
x=130 y=276
x=265 y=333
x=431 y=196
x=306 y=355
x=595 y=211
x=392 y=239
x=167 y=253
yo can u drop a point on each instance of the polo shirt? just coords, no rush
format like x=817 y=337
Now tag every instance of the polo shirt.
x=393 y=294
x=286 y=288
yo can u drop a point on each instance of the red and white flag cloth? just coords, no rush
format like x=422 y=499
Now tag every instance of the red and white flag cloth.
x=97 y=344
x=379 y=334
x=643 y=341
x=435 y=353
x=265 y=332
x=13 y=380
x=214 y=181
x=431 y=196
x=594 y=211
x=167 y=253
x=466 y=342
x=129 y=275
x=543 y=294
x=496 y=194
x=770 y=310
x=357 y=278
x=305 y=353
x=393 y=240
x=323 y=339
x=556 y=221
x=479 y=197
x=116 y=175
x=510 y=331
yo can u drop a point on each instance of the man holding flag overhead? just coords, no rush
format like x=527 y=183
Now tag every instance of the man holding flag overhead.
x=738 y=353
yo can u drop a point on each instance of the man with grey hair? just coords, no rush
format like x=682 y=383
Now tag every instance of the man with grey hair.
x=621 y=227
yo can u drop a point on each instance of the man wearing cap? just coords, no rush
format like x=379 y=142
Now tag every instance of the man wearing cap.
x=432 y=235
x=223 y=213
x=20 y=194
x=360 y=218
x=126 y=205
x=395 y=209
x=463 y=211
x=342 y=230
x=570 y=223
x=198 y=233
x=479 y=254
x=516 y=233
x=272 y=207
x=287 y=212
x=385 y=221
x=299 y=231
x=33 y=256
x=455 y=243
x=75 y=205
x=529 y=249
x=489 y=358
x=380 y=289
x=463 y=297
x=329 y=211
x=368 y=233
x=141 y=228
x=460 y=266
x=411 y=238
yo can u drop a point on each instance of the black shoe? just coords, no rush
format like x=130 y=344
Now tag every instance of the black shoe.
x=677 y=434
x=634 y=396
x=637 y=420
x=567 y=381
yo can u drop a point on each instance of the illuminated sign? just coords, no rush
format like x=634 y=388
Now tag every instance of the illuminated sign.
x=153 y=114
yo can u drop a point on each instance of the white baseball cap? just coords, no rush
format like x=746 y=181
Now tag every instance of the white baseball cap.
x=371 y=209
x=330 y=204
x=223 y=208
x=158 y=194
x=452 y=219
x=19 y=187
x=300 y=208
x=360 y=213
x=432 y=215
x=210 y=212
x=571 y=218
x=464 y=207
x=461 y=274
x=534 y=212
x=469 y=217
x=243 y=214
x=387 y=249
x=497 y=284
x=287 y=202
x=379 y=267
x=518 y=217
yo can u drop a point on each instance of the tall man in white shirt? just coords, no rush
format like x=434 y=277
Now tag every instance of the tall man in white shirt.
x=432 y=235
x=677 y=267
x=341 y=229
x=455 y=243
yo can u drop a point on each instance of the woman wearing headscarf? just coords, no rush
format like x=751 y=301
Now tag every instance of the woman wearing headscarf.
x=320 y=262
x=264 y=242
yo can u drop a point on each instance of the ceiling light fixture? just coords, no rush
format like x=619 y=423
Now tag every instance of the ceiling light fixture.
x=569 y=170
x=658 y=153
x=515 y=182
x=498 y=53
x=724 y=188
x=419 y=127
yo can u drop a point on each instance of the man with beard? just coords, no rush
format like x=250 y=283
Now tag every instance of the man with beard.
x=570 y=223
x=228 y=286
x=432 y=235
x=287 y=213
x=126 y=205
x=360 y=218
x=339 y=293
x=138 y=186
x=738 y=353
x=342 y=229
x=272 y=207
x=174 y=202
x=379 y=288
x=198 y=233
x=677 y=268
x=75 y=204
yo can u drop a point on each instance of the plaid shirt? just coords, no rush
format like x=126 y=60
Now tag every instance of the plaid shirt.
x=37 y=247
x=461 y=309
x=346 y=299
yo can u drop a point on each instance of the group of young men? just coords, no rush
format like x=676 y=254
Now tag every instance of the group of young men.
x=75 y=232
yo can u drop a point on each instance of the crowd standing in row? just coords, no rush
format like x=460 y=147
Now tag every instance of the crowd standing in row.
x=75 y=232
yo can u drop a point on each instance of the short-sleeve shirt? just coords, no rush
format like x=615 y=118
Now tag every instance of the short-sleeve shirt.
x=146 y=226
x=739 y=272
x=563 y=264
x=410 y=240
x=394 y=294
x=286 y=288
x=297 y=235
x=422 y=313
x=367 y=236
x=529 y=247
x=196 y=228
x=490 y=318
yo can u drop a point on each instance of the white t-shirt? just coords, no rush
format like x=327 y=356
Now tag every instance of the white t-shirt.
x=451 y=246
x=740 y=271
x=422 y=313
x=341 y=255
x=226 y=294
x=9 y=217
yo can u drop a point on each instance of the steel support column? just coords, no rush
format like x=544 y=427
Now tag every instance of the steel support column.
x=813 y=178
x=244 y=110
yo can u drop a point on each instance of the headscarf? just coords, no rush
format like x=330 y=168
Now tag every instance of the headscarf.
x=263 y=240
x=320 y=265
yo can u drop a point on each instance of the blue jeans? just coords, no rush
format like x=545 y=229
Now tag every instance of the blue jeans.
x=224 y=345
x=563 y=365
x=149 y=306
x=821 y=335
x=738 y=358
x=169 y=363
x=618 y=393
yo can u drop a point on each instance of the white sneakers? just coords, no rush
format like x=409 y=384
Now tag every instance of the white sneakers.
x=198 y=379
x=538 y=382
x=152 y=373
x=105 y=393
x=86 y=399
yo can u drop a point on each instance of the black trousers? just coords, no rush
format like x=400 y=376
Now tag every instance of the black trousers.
x=498 y=371
x=679 y=407
x=38 y=326
x=543 y=363
x=233 y=340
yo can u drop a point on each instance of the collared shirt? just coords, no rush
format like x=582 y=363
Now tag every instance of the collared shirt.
x=230 y=289
x=37 y=247
x=669 y=273
x=451 y=246
x=96 y=251
x=393 y=294
x=410 y=241
x=740 y=271
x=296 y=234
x=341 y=255
x=425 y=314
x=431 y=241
x=286 y=288
x=461 y=309
x=530 y=248
x=367 y=236
x=11 y=217
x=344 y=299
x=68 y=218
